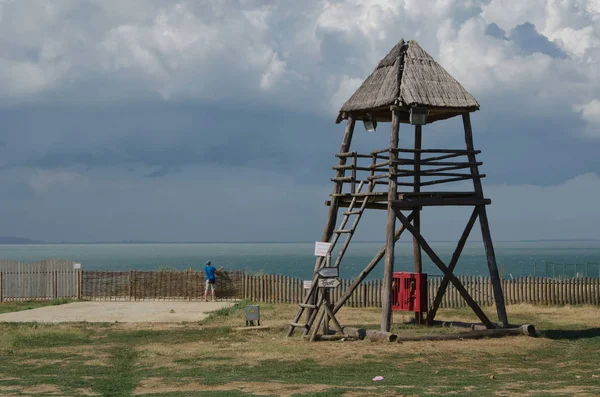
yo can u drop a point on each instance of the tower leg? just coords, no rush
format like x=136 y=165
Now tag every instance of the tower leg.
x=491 y=261
x=485 y=227
x=418 y=268
x=337 y=188
x=386 y=290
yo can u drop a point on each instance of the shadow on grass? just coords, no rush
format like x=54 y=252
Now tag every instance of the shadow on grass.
x=571 y=334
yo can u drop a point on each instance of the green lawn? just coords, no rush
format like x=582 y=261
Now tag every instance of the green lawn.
x=212 y=358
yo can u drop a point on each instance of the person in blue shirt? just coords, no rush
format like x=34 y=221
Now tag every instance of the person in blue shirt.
x=211 y=279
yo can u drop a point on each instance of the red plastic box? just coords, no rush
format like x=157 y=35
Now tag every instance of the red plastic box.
x=409 y=292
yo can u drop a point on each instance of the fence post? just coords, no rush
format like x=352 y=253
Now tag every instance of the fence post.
x=1 y=287
x=79 y=277
x=130 y=285
x=55 y=294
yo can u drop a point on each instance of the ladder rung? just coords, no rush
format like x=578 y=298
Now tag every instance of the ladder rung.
x=344 y=231
x=298 y=325
x=307 y=305
x=353 y=213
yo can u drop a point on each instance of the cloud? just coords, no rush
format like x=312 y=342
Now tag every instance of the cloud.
x=590 y=112
x=298 y=56
x=273 y=73
x=42 y=181
x=110 y=98
x=530 y=41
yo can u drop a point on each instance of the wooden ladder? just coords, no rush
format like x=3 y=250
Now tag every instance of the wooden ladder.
x=361 y=203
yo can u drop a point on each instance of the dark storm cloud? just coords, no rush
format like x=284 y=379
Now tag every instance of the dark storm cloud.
x=495 y=31
x=530 y=40
x=518 y=147
x=167 y=136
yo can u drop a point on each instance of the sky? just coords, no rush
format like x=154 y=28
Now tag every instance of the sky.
x=215 y=120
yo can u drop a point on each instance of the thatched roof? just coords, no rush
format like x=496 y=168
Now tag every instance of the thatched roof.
x=409 y=76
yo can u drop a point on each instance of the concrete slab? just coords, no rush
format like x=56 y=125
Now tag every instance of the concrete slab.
x=126 y=312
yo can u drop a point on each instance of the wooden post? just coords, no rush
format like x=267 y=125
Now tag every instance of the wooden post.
x=418 y=265
x=485 y=227
x=386 y=294
x=79 y=284
x=55 y=272
x=1 y=287
x=337 y=186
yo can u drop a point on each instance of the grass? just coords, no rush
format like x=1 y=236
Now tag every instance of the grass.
x=8 y=307
x=213 y=359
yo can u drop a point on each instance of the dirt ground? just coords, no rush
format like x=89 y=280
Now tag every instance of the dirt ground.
x=125 y=312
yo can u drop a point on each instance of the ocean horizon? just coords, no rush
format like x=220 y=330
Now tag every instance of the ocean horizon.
x=296 y=259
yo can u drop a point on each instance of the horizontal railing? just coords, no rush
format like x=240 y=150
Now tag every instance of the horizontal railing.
x=439 y=166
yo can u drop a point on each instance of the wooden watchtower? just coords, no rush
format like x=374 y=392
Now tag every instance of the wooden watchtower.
x=407 y=86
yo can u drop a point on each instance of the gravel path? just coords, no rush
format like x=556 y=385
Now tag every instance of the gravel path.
x=126 y=312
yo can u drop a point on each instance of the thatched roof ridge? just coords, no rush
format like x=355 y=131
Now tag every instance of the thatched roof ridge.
x=381 y=87
x=408 y=76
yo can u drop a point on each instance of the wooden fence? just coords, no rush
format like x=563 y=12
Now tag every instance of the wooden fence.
x=51 y=279
x=534 y=290
x=42 y=280
x=157 y=285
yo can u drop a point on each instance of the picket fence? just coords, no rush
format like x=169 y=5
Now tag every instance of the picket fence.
x=42 y=280
x=52 y=279
x=535 y=290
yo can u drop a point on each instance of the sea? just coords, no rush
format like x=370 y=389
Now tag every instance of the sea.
x=514 y=259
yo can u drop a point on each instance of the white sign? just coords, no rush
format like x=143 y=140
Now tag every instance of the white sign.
x=329 y=272
x=76 y=265
x=329 y=282
x=322 y=249
x=307 y=284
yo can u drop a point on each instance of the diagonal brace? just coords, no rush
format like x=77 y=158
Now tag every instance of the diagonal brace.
x=440 y=264
x=455 y=256
x=350 y=290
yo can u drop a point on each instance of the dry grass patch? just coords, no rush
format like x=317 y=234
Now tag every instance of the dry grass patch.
x=584 y=316
x=157 y=355
x=39 y=362
x=36 y=389
x=162 y=385
x=87 y=392
x=510 y=370
x=157 y=385
x=91 y=354
x=151 y=326
x=508 y=345
x=545 y=389
x=376 y=393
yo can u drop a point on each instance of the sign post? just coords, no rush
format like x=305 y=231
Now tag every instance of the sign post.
x=329 y=272
x=329 y=282
x=322 y=249
x=327 y=279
